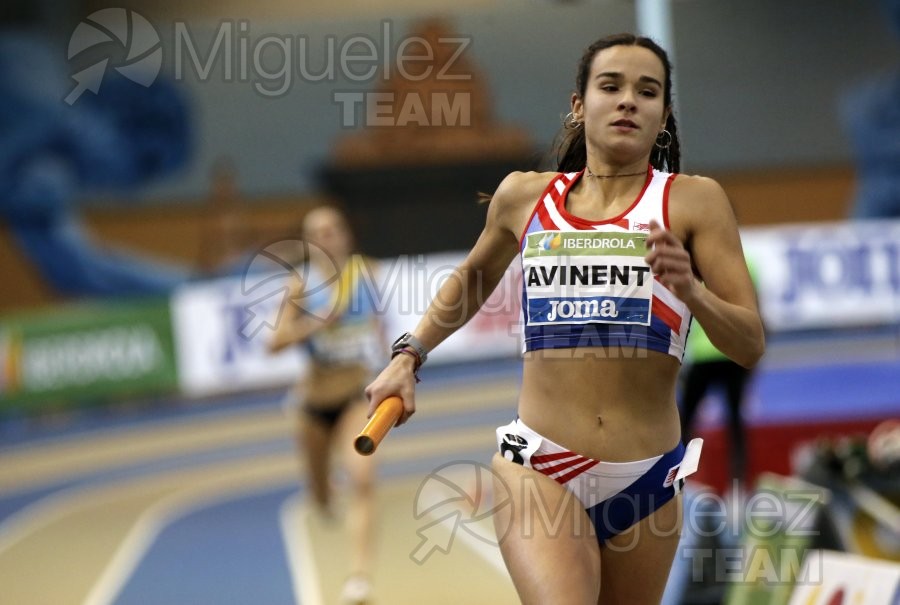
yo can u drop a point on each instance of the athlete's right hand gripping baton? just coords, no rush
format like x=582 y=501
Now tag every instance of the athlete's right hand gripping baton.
x=383 y=420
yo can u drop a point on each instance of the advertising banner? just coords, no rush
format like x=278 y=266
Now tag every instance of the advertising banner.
x=847 y=578
x=826 y=276
x=223 y=327
x=86 y=352
x=222 y=335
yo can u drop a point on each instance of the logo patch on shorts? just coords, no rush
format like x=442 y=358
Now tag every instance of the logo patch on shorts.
x=670 y=476
x=511 y=448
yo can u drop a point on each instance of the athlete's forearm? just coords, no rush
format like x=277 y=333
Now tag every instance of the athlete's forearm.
x=735 y=330
x=293 y=328
x=287 y=337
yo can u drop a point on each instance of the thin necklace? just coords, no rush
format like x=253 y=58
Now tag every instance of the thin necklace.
x=587 y=172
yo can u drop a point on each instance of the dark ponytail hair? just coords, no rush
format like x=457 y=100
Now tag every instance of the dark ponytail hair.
x=571 y=154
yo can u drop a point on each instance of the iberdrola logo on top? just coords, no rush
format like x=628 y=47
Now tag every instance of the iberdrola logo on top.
x=118 y=36
x=550 y=241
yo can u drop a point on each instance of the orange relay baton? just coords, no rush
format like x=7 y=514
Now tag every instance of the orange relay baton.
x=383 y=420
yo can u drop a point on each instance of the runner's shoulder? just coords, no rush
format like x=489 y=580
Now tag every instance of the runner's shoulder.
x=521 y=190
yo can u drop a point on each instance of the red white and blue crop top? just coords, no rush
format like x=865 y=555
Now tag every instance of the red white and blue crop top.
x=585 y=283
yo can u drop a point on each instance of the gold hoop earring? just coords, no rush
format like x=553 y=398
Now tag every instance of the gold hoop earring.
x=664 y=136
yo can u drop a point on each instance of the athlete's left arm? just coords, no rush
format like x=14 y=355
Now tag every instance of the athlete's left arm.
x=704 y=236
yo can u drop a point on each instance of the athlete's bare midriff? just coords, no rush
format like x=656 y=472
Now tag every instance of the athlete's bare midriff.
x=565 y=390
x=330 y=385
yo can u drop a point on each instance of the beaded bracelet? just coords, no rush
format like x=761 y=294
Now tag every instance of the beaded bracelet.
x=412 y=353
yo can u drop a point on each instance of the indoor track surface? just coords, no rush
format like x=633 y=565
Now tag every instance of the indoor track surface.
x=204 y=502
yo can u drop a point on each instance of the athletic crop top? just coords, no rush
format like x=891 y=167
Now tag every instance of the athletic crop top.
x=353 y=337
x=585 y=283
